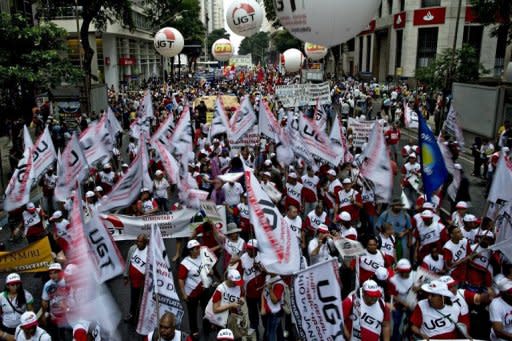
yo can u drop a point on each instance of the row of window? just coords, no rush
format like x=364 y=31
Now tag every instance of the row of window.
x=424 y=3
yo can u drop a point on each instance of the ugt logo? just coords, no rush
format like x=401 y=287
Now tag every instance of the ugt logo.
x=243 y=14
x=166 y=38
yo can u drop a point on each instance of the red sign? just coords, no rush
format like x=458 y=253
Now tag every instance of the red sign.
x=471 y=15
x=126 y=61
x=370 y=28
x=399 y=20
x=429 y=16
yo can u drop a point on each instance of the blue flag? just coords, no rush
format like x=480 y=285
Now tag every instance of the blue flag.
x=433 y=168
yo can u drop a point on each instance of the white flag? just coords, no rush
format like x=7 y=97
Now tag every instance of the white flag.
x=318 y=142
x=97 y=141
x=105 y=254
x=453 y=127
x=277 y=243
x=268 y=123
x=337 y=136
x=450 y=166
x=146 y=108
x=146 y=179
x=158 y=285
x=320 y=116
x=17 y=192
x=73 y=167
x=503 y=221
x=291 y=133
x=113 y=123
x=316 y=302
x=376 y=165
x=164 y=131
x=43 y=154
x=501 y=188
x=220 y=122
x=182 y=137
x=243 y=120
x=27 y=140
x=170 y=164
x=127 y=189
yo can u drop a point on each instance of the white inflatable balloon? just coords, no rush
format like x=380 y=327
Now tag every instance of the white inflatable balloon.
x=222 y=50
x=315 y=52
x=244 y=17
x=326 y=22
x=169 y=42
x=292 y=60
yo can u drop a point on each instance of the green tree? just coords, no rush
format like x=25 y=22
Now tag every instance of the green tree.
x=215 y=35
x=31 y=60
x=466 y=68
x=99 y=12
x=282 y=40
x=257 y=45
x=497 y=13
x=270 y=13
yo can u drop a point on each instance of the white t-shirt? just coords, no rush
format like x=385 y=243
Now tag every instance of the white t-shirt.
x=11 y=318
x=160 y=188
x=232 y=193
x=500 y=311
x=39 y=335
x=323 y=253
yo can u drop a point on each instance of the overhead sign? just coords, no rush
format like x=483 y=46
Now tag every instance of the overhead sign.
x=399 y=20
x=429 y=16
x=303 y=94
x=370 y=28
x=242 y=60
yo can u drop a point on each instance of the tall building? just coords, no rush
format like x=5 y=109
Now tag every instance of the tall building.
x=407 y=35
x=212 y=14
x=121 y=56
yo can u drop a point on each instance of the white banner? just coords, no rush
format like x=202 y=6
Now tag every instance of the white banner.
x=250 y=138
x=127 y=189
x=296 y=95
x=182 y=137
x=73 y=167
x=17 y=192
x=242 y=121
x=97 y=141
x=277 y=242
x=43 y=154
x=452 y=126
x=376 y=165
x=113 y=124
x=170 y=164
x=361 y=131
x=267 y=123
x=292 y=136
x=173 y=224
x=336 y=136
x=105 y=254
x=501 y=188
x=208 y=261
x=318 y=142
x=160 y=293
x=316 y=302
x=503 y=219
x=164 y=131
x=410 y=118
x=220 y=122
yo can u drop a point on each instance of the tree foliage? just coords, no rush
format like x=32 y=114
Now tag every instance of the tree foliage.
x=257 y=45
x=466 y=68
x=495 y=12
x=270 y=13
x=282 y=40
x=31 y=60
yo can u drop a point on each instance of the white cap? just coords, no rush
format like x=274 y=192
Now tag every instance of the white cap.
x=448 y=280
x=13 y=278
x=461 y=205
x=158 y=172
x=371 y=288
x=485 y=233
x=225 y=334
x=107 y=165
x=344 y=216
x=252 y=243
x=470 y=218
x=323 y=228
x=90 y=194
x=347 y=181
x=98 y=189
x=292 y=175
x=427 y=214
x=427 y=205
x=55 y=266
x=267 y=163
x=403 y=265
x=457 y=166
x=125 y=165
x=144 y=189
x=412 y=155
x=331 y=172
x=56 y=215
x=31 y=206
x=504 y=284
x=192 y=244
x=28 y=319
x=437 y=287
x=235 y=277
x=267 y=174
x=382 y=273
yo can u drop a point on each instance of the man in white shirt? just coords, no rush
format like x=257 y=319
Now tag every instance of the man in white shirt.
x=500 y=312
x=232 y=191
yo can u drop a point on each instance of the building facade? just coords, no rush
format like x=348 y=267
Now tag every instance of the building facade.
x=409 y=34
x=212 y=14
x=121 y=57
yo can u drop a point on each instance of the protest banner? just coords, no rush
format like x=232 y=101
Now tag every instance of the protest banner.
x=361 y=131
x=250 y=138
x=303 y=94
x=35 y=257
x=316 y=302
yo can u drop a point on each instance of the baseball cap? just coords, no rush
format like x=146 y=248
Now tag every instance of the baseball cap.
x=382 y=273
x=89 y=194
x=461 y=205
x=56 y=215
x=98 y=189
x=55 y=267
x=344 y=216
x=107 y=165
x=469 y=218
x=234 y=276
x=13 y=278
x=225 y=334
x=323 y=228
x=125 y=165
x=31 y=206
x=292 y=175
x=252 y=243
x=267 y=163
x=331 y=172
x=448 y=280
x=412 y=155
x=457 y=166
x=28 y=320
x=427 y=206
x=347 y=181
x=192 y=244
x=371 y=288
x=144 y=189
x=485 y=233
x=403 y=265
x=505 y=285
x=267 y=174
x=427 y=214
x=158 y=172
x=437 y=287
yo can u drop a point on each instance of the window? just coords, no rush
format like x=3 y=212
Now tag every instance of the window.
x=402 y=5
x=380 y=10
x=430 y=3
x=368 y=51
x=399 y=43
x=427 y=46
x=501 y=48
x=361 y=53
x=390 y=7
x=473 y=37
x=351 y=45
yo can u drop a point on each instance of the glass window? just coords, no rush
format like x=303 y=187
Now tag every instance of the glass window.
x=399 y=44
x=402 y=5
x=427 y=46
x=390 y=6
x=368 y=51
x=430 y=3
x=361 y=53
x=473 y=37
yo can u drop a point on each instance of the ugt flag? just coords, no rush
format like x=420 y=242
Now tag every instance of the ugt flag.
x=433 y=168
